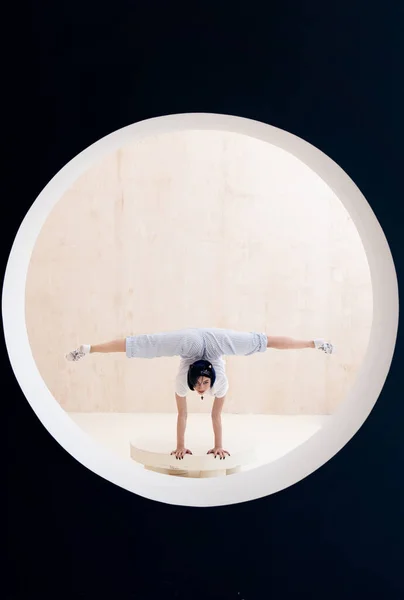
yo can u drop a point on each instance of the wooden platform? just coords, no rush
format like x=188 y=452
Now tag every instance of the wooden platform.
x=156 y=458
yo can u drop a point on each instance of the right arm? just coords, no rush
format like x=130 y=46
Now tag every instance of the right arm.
x=181 y=426
x=181 y=419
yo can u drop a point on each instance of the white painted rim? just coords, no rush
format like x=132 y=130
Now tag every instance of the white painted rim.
x=264 y=480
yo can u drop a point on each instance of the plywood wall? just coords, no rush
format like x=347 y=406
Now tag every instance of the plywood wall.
x=199 y=229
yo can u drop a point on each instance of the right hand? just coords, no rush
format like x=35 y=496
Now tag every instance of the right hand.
x=180 y=453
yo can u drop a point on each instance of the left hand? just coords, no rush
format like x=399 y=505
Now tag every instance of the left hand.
x=219 y=452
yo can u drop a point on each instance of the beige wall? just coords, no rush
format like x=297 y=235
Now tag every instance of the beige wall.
x=199 y=229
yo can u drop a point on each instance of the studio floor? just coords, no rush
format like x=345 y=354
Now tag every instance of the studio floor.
x=271 y=436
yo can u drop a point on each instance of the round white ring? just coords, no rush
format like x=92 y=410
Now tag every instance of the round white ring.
x=263 y=480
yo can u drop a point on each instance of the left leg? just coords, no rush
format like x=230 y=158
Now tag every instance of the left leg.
x=288 y=343
x=227 y=342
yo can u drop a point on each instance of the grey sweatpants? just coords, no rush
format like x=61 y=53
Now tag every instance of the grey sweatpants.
x=196 y=344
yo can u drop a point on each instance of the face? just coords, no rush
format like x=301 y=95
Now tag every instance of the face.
x=202 y=385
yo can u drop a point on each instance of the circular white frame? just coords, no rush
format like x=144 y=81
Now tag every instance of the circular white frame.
x=258 y=482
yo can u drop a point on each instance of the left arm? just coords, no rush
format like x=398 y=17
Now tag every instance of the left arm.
x=217 y=428
x=217 y=420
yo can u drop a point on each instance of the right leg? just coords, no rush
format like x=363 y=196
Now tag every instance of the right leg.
x=114 y=346
x=107 y=347
x=171 y=343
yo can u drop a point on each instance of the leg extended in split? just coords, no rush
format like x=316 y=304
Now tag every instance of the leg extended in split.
x=118 y=345
x=172 y=343
x=288 y=343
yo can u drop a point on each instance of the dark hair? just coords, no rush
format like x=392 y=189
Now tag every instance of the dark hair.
x=200 y=368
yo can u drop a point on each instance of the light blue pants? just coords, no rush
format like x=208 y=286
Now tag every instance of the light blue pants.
x=196 y=344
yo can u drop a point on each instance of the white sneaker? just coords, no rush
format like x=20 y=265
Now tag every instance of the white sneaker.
x=79 y=353
x=326 y=347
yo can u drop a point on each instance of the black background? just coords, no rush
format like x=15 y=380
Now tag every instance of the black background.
x=329 y=72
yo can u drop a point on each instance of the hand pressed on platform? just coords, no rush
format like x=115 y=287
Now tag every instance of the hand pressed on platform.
x=219 y=452
x=180 y=453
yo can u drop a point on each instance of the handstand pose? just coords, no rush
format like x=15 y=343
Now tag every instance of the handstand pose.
x=202 y=368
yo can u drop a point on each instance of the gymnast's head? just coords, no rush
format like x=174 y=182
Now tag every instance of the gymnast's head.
x=201 y=377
